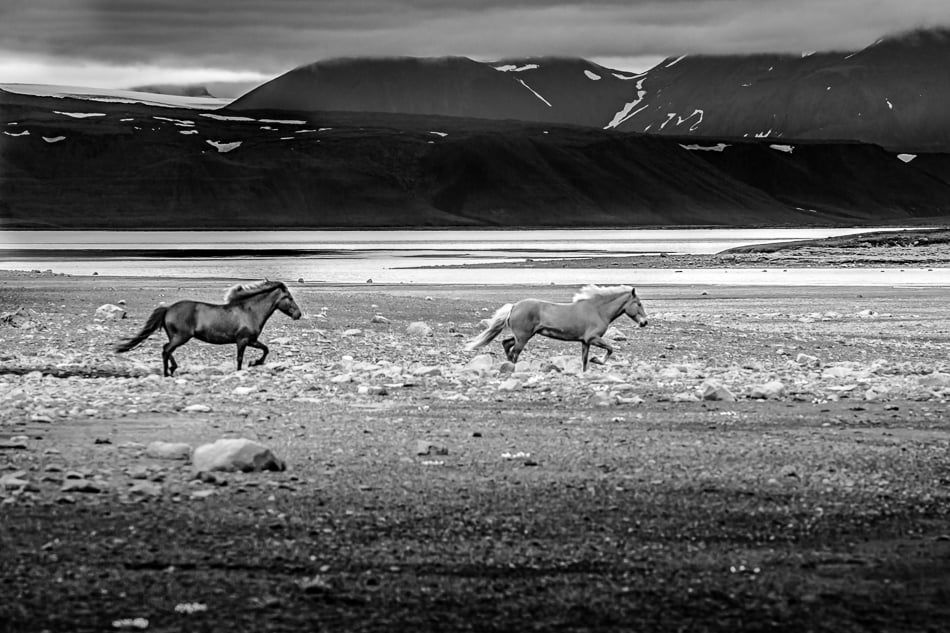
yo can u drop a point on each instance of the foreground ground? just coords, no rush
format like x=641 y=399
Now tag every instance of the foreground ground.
x=616 y=500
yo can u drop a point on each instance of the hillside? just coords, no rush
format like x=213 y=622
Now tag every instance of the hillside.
x=891 y=93
x=80 y=164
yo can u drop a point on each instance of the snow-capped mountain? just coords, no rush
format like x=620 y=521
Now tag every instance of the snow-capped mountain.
x=892 y=93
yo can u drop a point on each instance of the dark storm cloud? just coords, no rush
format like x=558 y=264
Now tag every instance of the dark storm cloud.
x=274 y=35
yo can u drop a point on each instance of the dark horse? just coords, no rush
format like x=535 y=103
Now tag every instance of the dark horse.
x=240 y=320
x=586 y=319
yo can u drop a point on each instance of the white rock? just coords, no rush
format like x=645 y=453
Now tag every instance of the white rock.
x=430 y=370
x=418 y=328
x=480 y=364
x=380 y=319
x=774 y=389
x=197 y=408
x=243 y=391
x=614 y=334
x=239 y=454
x=352 y=332
x=168 y=450
x=601 y=399
x=512 y=384
x=110 y=311
x=714 y=391
x=424 y=447
x=807 y=360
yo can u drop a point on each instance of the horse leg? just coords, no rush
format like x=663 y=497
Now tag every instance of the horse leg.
x=508 y=343
x=263 y=348
x=604 y=344
x=242 y=344
x=168 y=361
x=585 y=352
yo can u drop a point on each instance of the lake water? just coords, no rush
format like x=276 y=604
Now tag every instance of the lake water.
x=391 y=256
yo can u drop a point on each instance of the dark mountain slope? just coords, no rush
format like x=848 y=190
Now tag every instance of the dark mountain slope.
x=892 y=93
x=141 y=167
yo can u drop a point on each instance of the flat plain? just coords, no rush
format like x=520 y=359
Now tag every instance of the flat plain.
x=433 y=489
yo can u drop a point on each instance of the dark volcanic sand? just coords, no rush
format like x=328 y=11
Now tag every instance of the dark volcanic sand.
x=824 y=510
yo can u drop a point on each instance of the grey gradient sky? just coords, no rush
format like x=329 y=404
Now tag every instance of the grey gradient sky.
x=118 y=43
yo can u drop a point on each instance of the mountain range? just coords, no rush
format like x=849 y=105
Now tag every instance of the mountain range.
x=452 y=142
x=892 y=93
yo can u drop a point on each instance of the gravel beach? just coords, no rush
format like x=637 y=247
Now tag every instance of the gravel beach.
x=757 y=458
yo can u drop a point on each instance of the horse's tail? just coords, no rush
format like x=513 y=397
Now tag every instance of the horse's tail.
x=154 y=322
x=495 y=326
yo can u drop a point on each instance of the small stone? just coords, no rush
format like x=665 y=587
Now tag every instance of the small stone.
x=235 y=454
x=715 y=391
x=351 y=333
x=424 y=447
x=614 y=334
x=145 y=489
x=506 y=367
x=601 y=399
x=203 y=494
x=110 y=311
x=480 y=363
x=512 y=384
x=430 y=370
x=243 y=391
x=82 y=485
x=774 y=389
x=418 y=328
x=380 y=319
x=168 y=450
x=197 y=408
x=807 y=360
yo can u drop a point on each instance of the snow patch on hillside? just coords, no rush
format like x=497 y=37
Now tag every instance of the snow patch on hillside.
x=669 y=117
x=627 y=110
x=907 y=157
x=54 y=139
x=763 y=134
x=592 y=76
x=513 y=68
x=23 y=133
x=890 y=106
x=224 y=147
x=80 y=115
x=681 y=120
x=221 y=117
x=114 y=96
x=628 y=77
x=788 y=149
x=187 y=131
x=718 y=147
x=282 y=121
x=676 y=61
x=548 y=103
x=178 y=122
x=443 y=134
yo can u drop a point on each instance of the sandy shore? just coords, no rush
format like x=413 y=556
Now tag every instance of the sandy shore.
x=618 y=499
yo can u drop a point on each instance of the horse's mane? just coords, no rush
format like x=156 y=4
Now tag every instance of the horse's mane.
x=593 y=291
x=242 y=291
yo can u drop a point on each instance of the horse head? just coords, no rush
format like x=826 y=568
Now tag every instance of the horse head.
x=287 y=305
x=634 y=309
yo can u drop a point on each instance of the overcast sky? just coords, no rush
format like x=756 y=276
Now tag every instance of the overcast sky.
x=119 y=43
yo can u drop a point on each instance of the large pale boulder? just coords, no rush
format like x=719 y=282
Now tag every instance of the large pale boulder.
x=168 y=450
x=418 y=328
x=480 y=364
x=715 y=391
x=237 y=454
x=110 y=311
x=773 y=389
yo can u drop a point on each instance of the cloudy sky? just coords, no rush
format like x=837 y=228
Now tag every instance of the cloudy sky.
x=120 y=43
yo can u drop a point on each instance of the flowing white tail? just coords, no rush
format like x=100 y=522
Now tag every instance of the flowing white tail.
x=495 y=326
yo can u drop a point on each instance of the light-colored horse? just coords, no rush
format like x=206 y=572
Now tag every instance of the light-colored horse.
x=585 y=319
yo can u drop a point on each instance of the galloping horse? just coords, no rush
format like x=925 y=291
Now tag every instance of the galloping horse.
x=586 y=319
x=240 y=320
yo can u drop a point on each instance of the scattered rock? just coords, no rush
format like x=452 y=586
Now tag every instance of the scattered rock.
x=715 y=391
x=110 y=311
x=427 y=370
x=244 y=391
x=145 y=489
x=481 y=363
x=351 y=333
x=238 y=454
x=418 y=328
x=380 y=319
x=506 y=367
x=808 y=360
x=197 y=408
x=774 y=390
x=614 y=334
x=425 y=447
x=512 y=384
x=168 y=450
x=83 y=485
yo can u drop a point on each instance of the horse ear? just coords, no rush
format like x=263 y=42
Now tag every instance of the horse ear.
x=633 y=291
